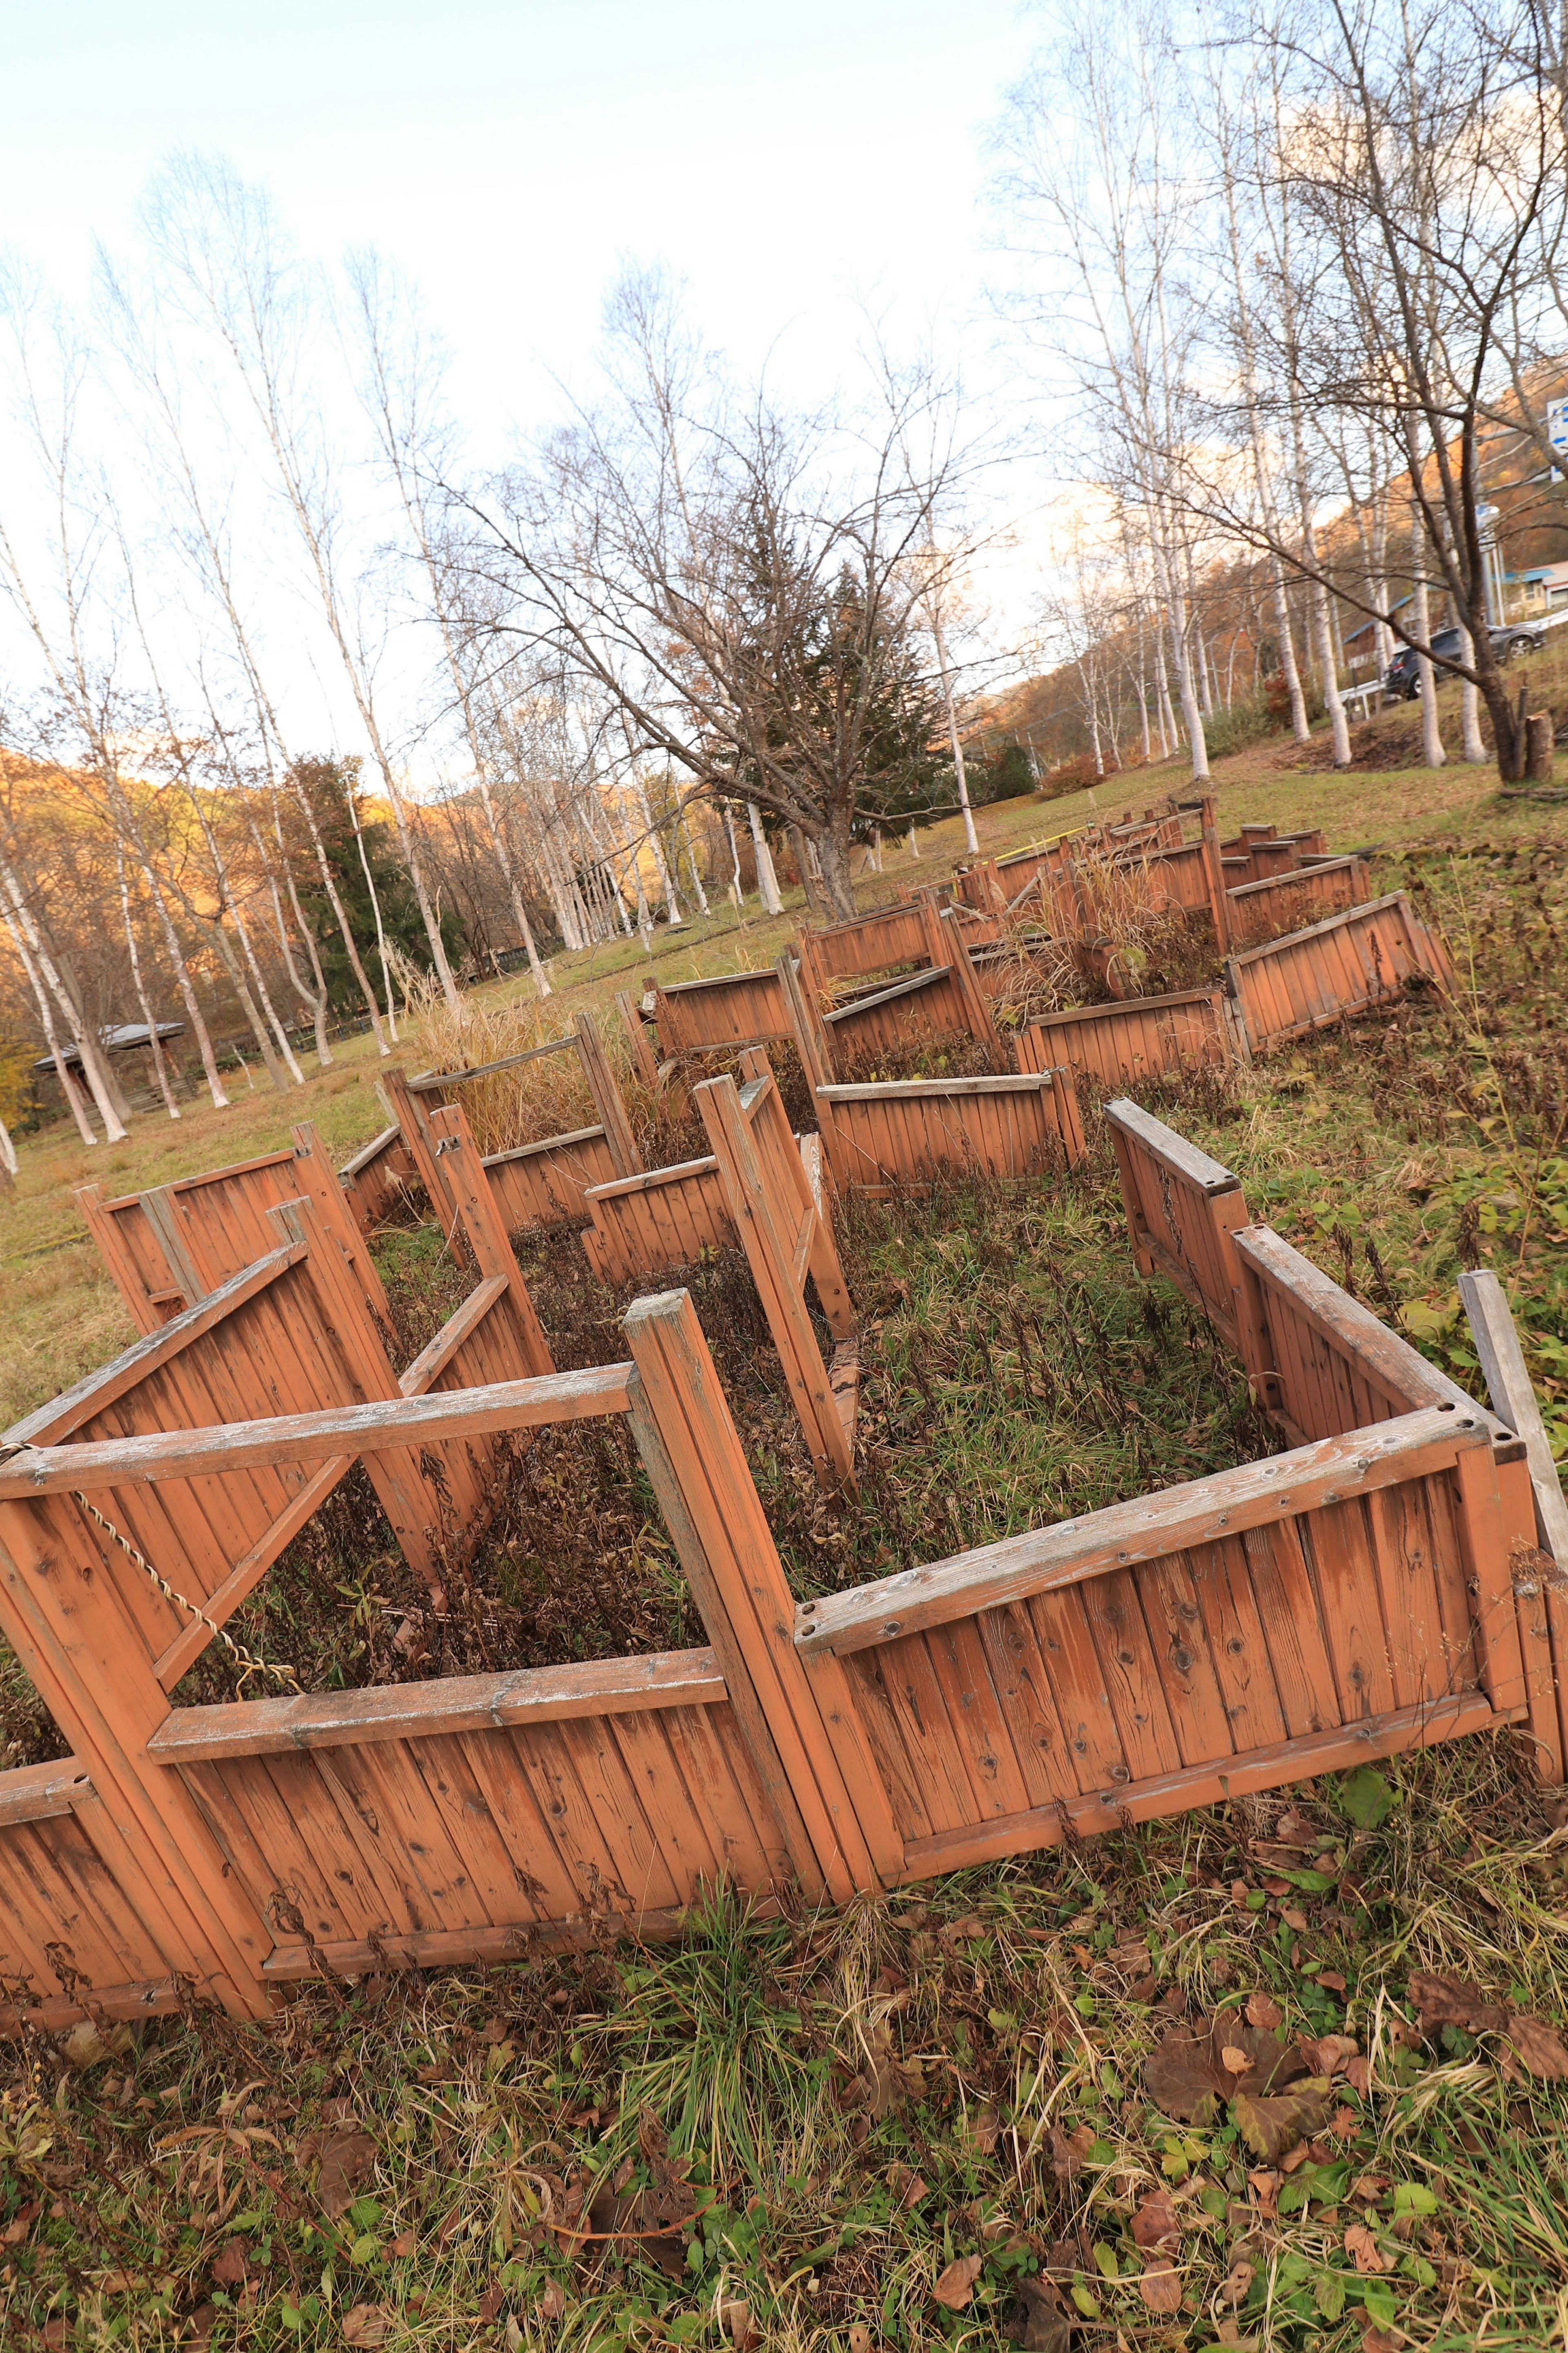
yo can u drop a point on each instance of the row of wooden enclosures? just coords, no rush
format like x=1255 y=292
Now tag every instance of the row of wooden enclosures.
x=1385 y=1581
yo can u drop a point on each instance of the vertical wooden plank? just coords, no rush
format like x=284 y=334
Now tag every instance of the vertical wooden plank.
x=1489 y=1573
x=636 y=1028
x=694 y=1460
x=1287 y=1607
x=606 y=1097
x=314 y=1175
x=105 y=1232
x=408 y=1114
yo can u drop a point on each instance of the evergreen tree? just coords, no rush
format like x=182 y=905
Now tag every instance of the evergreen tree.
x=337 y=797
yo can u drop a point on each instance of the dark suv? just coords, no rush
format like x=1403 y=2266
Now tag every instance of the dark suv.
x=1403 y=676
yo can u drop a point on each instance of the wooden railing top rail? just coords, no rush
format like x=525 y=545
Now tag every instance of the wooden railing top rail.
x=443 y=1704
x=714 y=980
x=1163 y=1144
x=314 y=1437
x=1391 y=1363
x=41 y=1793
x=1012 y=1082
x=1203 y=1510
x=651 y=1178
x=1310 y=931
x=911 y=986
x=49 y=1423
x=1292 y=876
x=370 y=1153
x=428 y=1081
x=1129 y=1005
x=546 y=1144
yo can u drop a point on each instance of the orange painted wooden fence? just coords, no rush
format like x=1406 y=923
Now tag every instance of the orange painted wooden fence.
x=1346 y=964
x=754 y=1189
x=1182 y=1212
x=169 y=1247
x=1288 y=1618
x=1322 y=1365
x=1343 y=1601
x=240 y=1844
x=737 y=1009
x=1140 y=1038
x=874 y=942
x=882 y=1139
x=539 y=1184
x=1289 y=902
x=375 y=1182
x=945 y=1000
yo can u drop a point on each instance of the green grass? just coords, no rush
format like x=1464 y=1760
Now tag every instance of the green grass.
x=816 y=2117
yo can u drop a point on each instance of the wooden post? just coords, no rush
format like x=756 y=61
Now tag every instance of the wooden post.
x=112 y=1249
x=408 y=1113
x=464 y=1173
x=771 y=1250
x=316 y=1177
x=189 y=1270
x=1214 y=876
x=800 y=1733
x=947 y=953
x=1514 y=1401
x=606 y=1097
x=636 y=1028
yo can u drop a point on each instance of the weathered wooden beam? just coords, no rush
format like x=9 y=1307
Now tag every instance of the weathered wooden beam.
x=312 y=1437
x=1202 y=1510
x=446 y=1704
x=1513 y=1399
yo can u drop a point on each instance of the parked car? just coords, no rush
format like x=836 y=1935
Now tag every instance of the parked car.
x=1403 y=676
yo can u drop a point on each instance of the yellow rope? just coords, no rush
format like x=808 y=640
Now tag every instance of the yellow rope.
x=246 y=1660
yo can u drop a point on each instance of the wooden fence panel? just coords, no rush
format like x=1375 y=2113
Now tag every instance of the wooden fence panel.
x=738 y=1008
x=1140 y=1038
x=883 y=1138
x=548 y=1183
x=786 y=1237
x=1277 y=904
x=927 y=1004
x=68 y=1923
x=470 y=1817
x=1182 y=1211
x=168 y=1248
x=871 y=943
x=1351 y=961
x=1279 y=1620
x=667 y=1217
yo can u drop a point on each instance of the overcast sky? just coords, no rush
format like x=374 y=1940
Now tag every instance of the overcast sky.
x=788 y=162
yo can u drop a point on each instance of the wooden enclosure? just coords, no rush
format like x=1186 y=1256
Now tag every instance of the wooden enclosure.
x=1370 y=1589
x=943 y=999
x=1346 y=964
x=901 y=1135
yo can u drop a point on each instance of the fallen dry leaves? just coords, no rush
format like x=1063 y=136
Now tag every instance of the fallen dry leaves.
x=368 y=2324
x=956 y=2285
x=1364 y=2251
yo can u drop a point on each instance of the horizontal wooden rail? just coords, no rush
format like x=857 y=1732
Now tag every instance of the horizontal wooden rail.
x=1409 y=1379
x=1227 y=1504
x=309 y=1436
x=1337 y=1750
x=41 y=1793
x=434 y=1359
x=443 y=1705
x=430 y=1082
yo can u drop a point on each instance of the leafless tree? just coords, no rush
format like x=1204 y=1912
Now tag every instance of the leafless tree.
x=740 y=585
